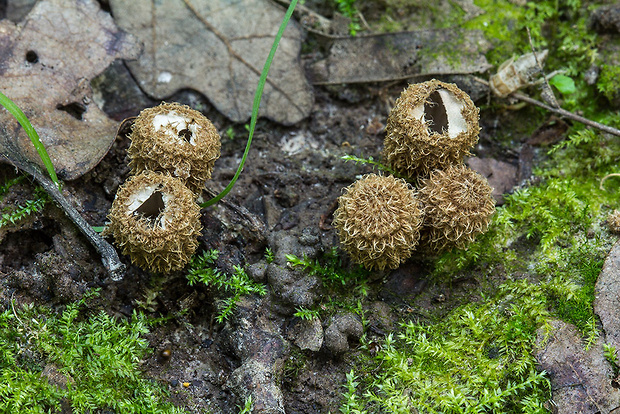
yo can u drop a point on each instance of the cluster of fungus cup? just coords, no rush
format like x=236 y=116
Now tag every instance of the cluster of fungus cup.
x=458 y=206
x=378 y=220
x=175 y=139
x=156 y=221
x=382 y=220
x=432 y=125
x=155 y=218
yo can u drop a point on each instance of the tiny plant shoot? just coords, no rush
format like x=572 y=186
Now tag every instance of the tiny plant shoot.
x=257 y=98
x=32 y=134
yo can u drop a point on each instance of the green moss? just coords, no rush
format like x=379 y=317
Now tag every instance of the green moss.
x=232 y=286
x=557 y=25
x=334 y=276
x=499 y=23
x=609 y=81
x=91 y=363
x=578 y=310
x=400 y=15
x=14 y=214
x=479 y=359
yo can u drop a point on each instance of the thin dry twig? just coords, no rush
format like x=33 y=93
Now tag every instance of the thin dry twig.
x=559 y=111
x=600 y=186
x=545 y=80
x=109 y=257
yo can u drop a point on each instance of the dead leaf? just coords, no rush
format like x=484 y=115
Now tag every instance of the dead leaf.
x=580 y=379
x=48 y=60
x=391 y=56
x=218 y=47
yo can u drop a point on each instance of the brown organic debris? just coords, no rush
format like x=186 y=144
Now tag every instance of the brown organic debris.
x=218 y=48
x=175 y=139
x=378 y=221
x=433 y=125
x=403 y=55
x=47 y=62
x=156 y=221
x=458 y=206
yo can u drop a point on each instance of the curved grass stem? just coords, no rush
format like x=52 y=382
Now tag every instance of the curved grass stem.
x=257 y=98
x=32 y=134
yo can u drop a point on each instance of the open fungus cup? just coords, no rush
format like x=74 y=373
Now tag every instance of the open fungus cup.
x=156 y=221
x=432 y=125
x=378 y=221
x=176 y=139
x=459 y=205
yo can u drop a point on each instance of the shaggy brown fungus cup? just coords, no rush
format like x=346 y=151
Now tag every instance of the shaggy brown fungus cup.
x=432 y=125
x=458 y=206
x=176 y=139
x=156 y=221
x=378 y=221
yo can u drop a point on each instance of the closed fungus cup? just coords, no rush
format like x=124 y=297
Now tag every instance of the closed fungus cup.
x=378 y=221
x=432 y=125
x=156 y=221
x=458 y=206
x=177 y=139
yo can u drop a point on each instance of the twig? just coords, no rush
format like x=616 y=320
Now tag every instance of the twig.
x=600 y=186
x=559 y=111
x=109 y=257
x=545 y=80
x=363 y=20
x=568 y=114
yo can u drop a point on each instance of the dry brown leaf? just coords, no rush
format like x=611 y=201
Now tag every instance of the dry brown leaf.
x=47 y=62
x=391 y=56
x=218 y=47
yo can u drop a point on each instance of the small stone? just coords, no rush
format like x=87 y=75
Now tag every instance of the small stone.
x=309 y=237
x=341 y=329
x=308 y=334
x=257 y=271
x=380 y=316
x=293 y=287
x=591 y=75
x=606 y=19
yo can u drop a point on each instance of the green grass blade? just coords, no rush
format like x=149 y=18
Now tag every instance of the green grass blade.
x=32 y=134
x=257 y=98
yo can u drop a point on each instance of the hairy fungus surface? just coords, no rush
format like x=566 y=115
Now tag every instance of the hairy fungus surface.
x=432 y=125
x=156 y=221
x=458 y=206
x=378 y=221
x=613 y=221
x=176 y=139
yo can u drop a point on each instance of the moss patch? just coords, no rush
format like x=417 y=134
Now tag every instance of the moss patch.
x=49 y=361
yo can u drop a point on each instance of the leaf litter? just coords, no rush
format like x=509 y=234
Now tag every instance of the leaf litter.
x=200 y=44
x=49 y=59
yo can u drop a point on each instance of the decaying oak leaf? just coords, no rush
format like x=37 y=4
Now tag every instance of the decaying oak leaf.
x=47 y=62
x=391 y=56
x=218 y=47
